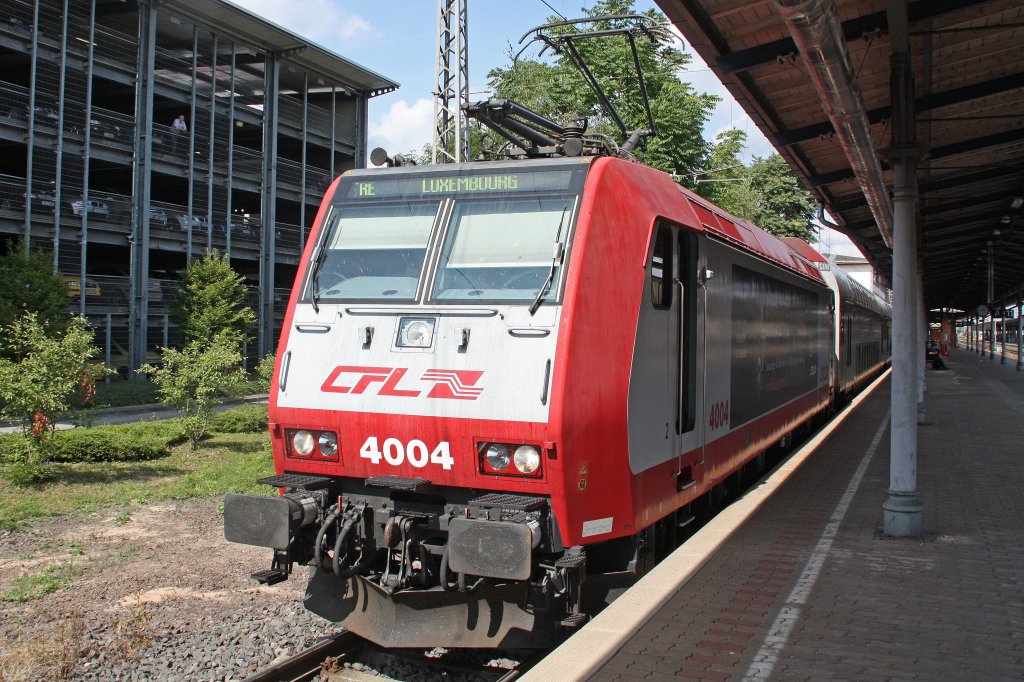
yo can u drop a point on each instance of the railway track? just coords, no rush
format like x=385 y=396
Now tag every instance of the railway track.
x=307 y=664
x=346 y=657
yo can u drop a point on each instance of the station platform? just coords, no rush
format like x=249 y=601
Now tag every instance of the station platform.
x=796 y=581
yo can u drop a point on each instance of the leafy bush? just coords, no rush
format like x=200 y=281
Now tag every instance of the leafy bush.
x=242 y=419
x=114 y=443
x=28 y=465
x=39 y=385
x=120 y=393
x=265 y=372
x=193 y=379
x=249 y=386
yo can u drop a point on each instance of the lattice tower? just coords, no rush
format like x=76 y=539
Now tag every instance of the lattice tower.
x=451 y=134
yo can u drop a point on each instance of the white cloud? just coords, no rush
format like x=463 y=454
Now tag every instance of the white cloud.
x=403 y=127
x=321 y=21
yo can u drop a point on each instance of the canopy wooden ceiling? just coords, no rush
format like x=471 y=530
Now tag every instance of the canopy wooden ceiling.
x=968 y=64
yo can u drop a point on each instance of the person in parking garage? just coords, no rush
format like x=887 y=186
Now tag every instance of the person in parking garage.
x=178 y=127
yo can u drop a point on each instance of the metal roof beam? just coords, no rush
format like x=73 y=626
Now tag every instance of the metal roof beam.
x=934 y=153
x=937 y=100
x=976 y=143
x=944 y=183
x=972 y=202
x=742 y=60
x=832 y=177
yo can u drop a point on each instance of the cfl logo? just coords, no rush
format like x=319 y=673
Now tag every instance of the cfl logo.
x=446 y=384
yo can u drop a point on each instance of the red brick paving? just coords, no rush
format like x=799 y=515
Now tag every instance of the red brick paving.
x=948 y=606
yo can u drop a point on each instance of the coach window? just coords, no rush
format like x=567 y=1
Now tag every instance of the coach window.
x=661 y=269
x=849 y=339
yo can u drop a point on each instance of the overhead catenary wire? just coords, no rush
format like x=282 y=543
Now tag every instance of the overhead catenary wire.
x=554 y=10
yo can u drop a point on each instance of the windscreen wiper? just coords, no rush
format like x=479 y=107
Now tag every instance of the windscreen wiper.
x=556 y=257
x=314 y=278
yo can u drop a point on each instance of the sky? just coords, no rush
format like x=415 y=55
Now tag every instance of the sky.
x=397 y=39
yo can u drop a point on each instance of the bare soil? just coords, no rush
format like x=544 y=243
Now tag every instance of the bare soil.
x=153 y=592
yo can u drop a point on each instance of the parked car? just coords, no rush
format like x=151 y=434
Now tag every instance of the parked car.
x=245 y=227
x=239 y=230
x=74 y=286
x=157 y=216
x=42 y=199
x=198 y=222
x=95 y=207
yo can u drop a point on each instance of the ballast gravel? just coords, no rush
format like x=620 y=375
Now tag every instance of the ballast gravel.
x=147 y=592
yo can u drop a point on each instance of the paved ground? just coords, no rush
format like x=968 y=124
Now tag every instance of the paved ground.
x=133 y=413
x=810 y=589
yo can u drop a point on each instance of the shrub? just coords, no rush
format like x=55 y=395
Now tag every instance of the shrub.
x=114 y=443
x=265 y=372
x=242 y=419
x=39 y=385
x=249 y=386
x=120 y=393
x=193 y=380
x=28 y=465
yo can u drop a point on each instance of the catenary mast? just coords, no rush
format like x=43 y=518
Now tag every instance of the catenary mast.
x=451 y=134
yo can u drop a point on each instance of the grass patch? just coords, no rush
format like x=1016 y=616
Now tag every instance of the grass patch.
x=224 y=463
x=124 y=555
x=49 y=653
x=34 y=585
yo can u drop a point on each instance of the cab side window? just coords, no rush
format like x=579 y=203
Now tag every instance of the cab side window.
x=661 y=268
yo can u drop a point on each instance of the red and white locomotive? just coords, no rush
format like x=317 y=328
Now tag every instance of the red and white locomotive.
x=500 y=387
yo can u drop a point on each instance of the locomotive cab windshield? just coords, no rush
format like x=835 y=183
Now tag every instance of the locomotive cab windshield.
x=447 y=236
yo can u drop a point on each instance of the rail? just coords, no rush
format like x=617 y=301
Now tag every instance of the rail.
x=306 y=664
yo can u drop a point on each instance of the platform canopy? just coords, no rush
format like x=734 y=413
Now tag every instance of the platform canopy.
x=968 y=66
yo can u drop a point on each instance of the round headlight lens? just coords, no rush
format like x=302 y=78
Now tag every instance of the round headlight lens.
x=497 y=457
x=416 y=333
x=527 y=459
x=328 y=444
x=302 y=443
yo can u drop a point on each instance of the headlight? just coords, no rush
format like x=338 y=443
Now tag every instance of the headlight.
x=328 y=444
x=497 y=456
x=303 y=442
x=414 y=332
x=527 y=459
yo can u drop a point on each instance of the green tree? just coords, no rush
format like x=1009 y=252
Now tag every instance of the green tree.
x=194 y=380
x=211 y=302
x=38 y=386
x=29 y=284
x=785 y=208
x=559 y=92
x=765 y=191
x=726 y=182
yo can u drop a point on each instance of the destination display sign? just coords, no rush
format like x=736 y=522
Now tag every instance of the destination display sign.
x=443 y=184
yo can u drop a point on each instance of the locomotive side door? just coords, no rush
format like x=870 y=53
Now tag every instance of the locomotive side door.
x=663 y=382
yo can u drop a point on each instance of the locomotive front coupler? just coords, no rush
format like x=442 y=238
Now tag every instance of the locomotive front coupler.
x=284 y=524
